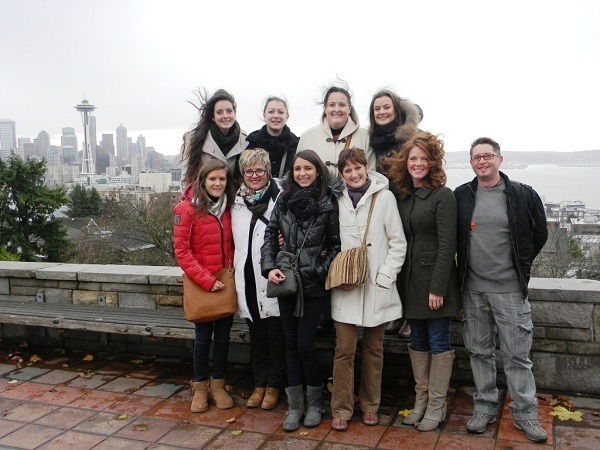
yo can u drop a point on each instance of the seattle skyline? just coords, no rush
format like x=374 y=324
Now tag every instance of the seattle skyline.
x=523 y=73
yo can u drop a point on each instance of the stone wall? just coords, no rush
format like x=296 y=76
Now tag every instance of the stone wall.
x=566 y=315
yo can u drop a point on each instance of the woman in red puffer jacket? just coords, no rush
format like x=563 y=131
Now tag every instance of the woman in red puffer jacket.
x=203 y=246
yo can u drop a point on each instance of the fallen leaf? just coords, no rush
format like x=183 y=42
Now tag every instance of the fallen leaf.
x=236 y=432
x=596 y=413
x=231 y=420
x=64 y=366
x=13 y=381
x=330 y=387
x=137 y=361
x=140 y=427
x=99 y=319
x=563 y=413
x=88 y=357
x=35 y=358
x=24 y=344
x=121 y=417
x=303 y=433
x=404 y=412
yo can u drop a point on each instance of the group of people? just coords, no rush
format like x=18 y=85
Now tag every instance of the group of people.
x=251 y=196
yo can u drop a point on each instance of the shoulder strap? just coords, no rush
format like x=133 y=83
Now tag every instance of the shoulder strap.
x=305 y=236
x=364 y=241
x=282 y=166
x=348 y=139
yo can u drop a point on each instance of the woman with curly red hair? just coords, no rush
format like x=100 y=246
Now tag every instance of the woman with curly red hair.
x=428 y=281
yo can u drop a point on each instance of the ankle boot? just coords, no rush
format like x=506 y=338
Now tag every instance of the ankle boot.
x=271 y=399
x=217 y=389
x=420 y=362
x=439 y=380
x=256 y=398
x=200 y=399
x=314 y=406
x=295 y=395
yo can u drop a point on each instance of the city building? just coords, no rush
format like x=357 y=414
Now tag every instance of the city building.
x=122 y=145
x=8 y=133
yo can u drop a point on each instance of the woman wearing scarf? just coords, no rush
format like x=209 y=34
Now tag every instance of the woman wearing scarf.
x=306 y=215
x=275 y=136
x=376 y=302
x=393 y=121
x=216 y=136
x=339 y=129
x=250 y=215
x=204 y=245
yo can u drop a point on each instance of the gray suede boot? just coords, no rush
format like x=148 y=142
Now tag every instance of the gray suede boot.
x=420 y=362
x=314 y=409
x=295 y=395
x=439 y=381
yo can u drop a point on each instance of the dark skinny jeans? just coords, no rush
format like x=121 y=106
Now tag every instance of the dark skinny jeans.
x=204 y=336
x=300 y=333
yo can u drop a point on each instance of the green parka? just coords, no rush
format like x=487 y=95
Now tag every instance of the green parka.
x=429 y=221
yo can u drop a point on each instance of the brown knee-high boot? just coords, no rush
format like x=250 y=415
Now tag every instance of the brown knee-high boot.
x=439 y=380
x=420 y=362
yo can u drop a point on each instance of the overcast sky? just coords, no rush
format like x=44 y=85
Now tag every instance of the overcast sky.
x=522 y=72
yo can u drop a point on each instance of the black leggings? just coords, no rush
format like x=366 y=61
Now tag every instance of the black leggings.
x=301 y=357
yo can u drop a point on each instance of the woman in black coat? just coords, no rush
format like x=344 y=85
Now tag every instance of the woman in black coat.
x=306 y=216
x=275 y=136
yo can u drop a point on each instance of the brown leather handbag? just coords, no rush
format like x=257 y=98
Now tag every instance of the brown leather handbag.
x=205 y=306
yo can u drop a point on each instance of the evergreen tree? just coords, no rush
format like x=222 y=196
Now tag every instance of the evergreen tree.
x=27 y=226
x=83 y=202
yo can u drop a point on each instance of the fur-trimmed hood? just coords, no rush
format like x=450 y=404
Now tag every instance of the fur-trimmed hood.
x=413 y=115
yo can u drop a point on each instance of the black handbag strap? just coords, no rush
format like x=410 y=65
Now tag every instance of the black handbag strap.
x=303 y=242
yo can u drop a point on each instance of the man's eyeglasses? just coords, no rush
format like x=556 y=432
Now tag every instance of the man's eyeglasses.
x=487 y=157
x=257 y=172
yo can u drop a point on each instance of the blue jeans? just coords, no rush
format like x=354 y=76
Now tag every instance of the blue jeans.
x=204 y=335
x=430 y=335
x=510 y=315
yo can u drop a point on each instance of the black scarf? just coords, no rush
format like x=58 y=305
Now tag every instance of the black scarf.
x=356 y=194
x=225 y=141
x=303 y=202
x=383 y=138
x=274 y=145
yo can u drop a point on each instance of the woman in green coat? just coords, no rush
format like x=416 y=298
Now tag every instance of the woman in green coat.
x=428 y=282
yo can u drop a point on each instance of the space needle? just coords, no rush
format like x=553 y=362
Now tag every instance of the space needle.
x=87 y=166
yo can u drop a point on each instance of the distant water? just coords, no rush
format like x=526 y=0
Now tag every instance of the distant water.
x=553 y=183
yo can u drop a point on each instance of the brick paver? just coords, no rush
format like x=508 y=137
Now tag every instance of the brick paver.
x=125 y=405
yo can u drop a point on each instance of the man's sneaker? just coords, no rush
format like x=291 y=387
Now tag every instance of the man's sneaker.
x=479 y=422
x=533 y=430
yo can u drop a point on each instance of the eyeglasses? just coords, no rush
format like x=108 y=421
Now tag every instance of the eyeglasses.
x=487 y=157
x=257 y=172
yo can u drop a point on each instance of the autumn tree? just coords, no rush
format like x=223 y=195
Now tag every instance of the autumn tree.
x=131 y=229
x=27 y=226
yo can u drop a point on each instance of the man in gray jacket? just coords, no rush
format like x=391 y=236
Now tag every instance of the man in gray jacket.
x=501 y=229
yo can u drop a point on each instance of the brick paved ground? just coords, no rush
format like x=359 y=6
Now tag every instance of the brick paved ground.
x=118 y=402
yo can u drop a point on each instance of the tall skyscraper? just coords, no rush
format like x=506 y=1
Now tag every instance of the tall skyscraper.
x=122 y=145
x=93 y=135
x=68 y=138
x=108 y=144
x=8 y=133
x=41 y=144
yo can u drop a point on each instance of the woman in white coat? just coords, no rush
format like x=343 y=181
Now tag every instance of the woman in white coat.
x=376 y=302
x=250 y=215
x=339 y=129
